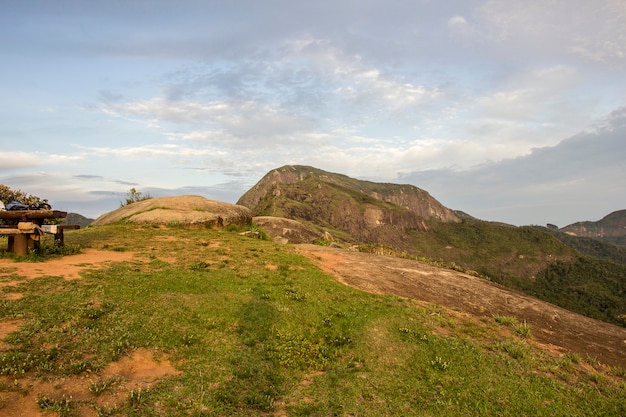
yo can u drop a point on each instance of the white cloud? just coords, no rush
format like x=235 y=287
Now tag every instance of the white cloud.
x=149 y=151
x=456 y=22
x=15 y=160
x=235 y=118
x=10 y=161
x=462 y=29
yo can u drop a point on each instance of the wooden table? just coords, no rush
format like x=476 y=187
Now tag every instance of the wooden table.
x=27 y=231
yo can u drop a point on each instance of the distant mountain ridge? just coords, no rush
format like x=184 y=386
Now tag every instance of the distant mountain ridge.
x=77 y=219
x=611 y=228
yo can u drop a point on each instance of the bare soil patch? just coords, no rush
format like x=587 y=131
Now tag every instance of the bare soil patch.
x=138 y=371
x=68 y=267
x=557 y=329
x=7 y=327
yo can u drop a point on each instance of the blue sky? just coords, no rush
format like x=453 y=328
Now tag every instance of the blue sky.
x=509 y=110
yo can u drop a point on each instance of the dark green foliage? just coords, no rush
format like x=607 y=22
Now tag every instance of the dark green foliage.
x=591 y=287
x=495 y=250
x=538 y=261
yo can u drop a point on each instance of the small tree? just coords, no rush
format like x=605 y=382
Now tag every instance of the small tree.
x=7 y=195
x=133 y=196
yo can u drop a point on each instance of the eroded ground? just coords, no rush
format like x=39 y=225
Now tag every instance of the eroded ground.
x=553 y=327
x=139 y=370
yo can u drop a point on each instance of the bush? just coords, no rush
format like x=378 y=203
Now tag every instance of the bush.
x=133 y=196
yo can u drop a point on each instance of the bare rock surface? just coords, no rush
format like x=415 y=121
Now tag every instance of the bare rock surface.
x=552 y=326
x=191 y=210
x=286 y=230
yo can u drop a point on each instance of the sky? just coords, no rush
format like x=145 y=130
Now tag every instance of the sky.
x=509 y=110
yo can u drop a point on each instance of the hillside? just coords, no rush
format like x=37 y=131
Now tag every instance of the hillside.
x=591 y=246
x=409 y=197
x=406 y=221
x=179 y=321
x=611 y=228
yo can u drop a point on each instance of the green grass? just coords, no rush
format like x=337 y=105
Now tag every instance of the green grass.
x=253 y=340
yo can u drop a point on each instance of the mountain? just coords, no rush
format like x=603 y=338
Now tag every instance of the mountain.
x=611 y=228
x=77 y=219
x=350 y=209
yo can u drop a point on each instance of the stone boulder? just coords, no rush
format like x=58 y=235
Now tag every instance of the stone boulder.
x=188 y=210
x=286 y=230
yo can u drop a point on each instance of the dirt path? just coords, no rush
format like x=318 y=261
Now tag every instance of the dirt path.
x=551 y=325
x=67 y=267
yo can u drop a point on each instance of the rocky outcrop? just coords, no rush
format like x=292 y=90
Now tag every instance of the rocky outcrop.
x=189 y=210
x=285 y=230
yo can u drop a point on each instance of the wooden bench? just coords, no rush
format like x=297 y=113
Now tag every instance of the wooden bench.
x=23 y=237
x=28 y=234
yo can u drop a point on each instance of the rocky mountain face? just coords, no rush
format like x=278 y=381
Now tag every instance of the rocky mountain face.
x=611 y=228
x=351 y=209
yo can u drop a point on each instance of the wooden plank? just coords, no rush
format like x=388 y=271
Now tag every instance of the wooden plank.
x=7 y=231
x=68 y=227
x=32 y=214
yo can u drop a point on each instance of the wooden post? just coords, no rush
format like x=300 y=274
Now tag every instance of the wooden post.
x=20 y=244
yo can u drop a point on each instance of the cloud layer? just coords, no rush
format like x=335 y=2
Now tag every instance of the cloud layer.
x=494 y=107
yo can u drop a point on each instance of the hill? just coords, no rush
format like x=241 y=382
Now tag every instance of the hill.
x=350 y=209
x=408 y=222
x=611 y=228
x=187 y=321
x=77 y=219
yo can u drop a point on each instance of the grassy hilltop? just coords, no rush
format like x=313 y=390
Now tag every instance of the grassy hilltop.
x=253 y=328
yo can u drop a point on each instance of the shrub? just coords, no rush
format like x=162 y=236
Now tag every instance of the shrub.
x=133 y=196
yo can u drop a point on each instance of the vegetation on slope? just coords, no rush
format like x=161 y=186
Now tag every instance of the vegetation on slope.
x=592 y=247
x=258 y=330
x=587 y=286
x=403 y=197
x=533 y=261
